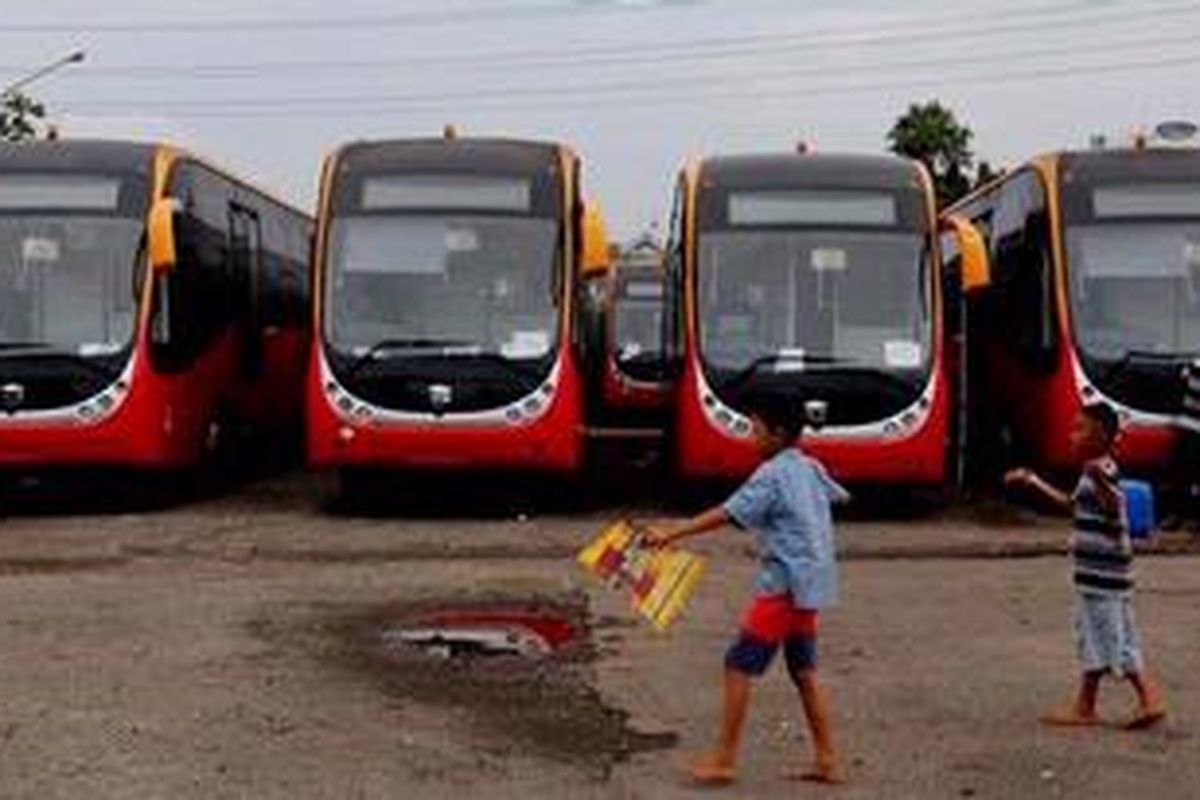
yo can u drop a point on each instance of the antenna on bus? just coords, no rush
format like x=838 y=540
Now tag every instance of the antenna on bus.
x=449 y=132
x=804 y=147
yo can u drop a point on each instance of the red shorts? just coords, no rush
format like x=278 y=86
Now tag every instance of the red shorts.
x=773 y=619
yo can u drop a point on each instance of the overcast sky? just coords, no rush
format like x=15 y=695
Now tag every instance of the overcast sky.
x=267 y=87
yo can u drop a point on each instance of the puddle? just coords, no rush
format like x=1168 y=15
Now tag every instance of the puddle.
x=516 y=670
x=482 y=632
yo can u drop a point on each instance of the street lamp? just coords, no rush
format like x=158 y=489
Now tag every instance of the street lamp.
x=72 y=58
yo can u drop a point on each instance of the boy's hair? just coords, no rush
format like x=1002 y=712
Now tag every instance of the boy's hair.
x=1105 y=417
x=782 y=415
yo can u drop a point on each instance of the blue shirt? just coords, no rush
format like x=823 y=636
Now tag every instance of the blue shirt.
x=786 y=503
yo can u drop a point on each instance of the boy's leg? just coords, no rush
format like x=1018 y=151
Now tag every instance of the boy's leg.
x=1151 y=709
x=720 y=766
x=1082 y=712
x=826 y=768
x=800 y=652
x=747 y=659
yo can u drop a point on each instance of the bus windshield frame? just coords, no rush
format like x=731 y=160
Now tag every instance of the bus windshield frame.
x=56 y=229
x=475 y=262
x=1132 y=250
x=844 y=242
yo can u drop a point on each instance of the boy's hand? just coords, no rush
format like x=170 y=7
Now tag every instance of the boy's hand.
x=1020 y=477
x=657 y=536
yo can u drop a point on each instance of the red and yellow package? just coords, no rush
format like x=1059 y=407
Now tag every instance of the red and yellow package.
x=659 y=581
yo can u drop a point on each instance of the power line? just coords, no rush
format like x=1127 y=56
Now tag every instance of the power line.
x=663 y=52
x=481 y=14
x=699 y=50
x=401 y=107
x=637 y=86
x=211 y=26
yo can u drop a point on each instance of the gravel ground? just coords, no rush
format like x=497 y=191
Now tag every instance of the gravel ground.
x=224 y=648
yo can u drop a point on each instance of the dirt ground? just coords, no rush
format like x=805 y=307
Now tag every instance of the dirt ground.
x=230 y=648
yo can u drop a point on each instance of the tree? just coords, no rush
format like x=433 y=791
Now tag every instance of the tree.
x=985 y=174
x=931 y=134
x=21 y=118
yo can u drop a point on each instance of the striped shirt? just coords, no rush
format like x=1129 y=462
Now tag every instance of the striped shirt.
x=1100 y=545
x=1189 y=419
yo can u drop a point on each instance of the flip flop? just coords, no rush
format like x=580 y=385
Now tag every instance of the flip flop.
x=709 y=775
x=1145 y=721
x=1068 y=720
x=814 y=775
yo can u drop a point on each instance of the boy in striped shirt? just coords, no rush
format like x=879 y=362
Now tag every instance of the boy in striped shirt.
x=1102 y=555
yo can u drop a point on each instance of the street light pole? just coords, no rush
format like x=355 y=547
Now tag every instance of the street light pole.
x=72 y=58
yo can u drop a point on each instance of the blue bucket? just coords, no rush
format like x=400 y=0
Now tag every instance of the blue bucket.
x=1139 y=505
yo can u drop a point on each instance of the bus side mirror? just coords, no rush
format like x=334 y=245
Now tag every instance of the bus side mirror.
x=596 y=254
x=976 y=266
x=162 y=233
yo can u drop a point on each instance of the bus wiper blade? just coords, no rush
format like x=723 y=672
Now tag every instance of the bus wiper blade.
x=39 y=346
x=515 y=367
x=18 y=350
x=777 y=359
x=1132 y=356
x=417 y=344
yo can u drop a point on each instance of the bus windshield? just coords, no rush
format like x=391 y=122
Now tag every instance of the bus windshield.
x=838 y=297
x=482 y=281
x=67 y=281
x=638 y=326
x=1136 y=287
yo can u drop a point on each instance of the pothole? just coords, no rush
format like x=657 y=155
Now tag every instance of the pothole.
x=516 y=669
x=482 y=632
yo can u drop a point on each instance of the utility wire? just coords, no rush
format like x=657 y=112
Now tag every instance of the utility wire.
x=637 y=86
x=1044 y=12
x=393 y=106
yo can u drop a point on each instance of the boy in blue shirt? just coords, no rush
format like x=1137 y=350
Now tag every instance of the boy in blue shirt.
x=786 y=503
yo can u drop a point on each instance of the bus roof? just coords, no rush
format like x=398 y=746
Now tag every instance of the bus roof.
x=786 y=170
x=1149 y=164
x=72 y=155
x=450 y=154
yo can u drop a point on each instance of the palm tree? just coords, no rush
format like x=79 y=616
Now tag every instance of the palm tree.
x=931 y=134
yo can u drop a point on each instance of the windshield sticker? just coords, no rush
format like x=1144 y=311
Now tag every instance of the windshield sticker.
x=526 y=344
x=789 y=359
x=829 y=259
x=902 y=354
x=1191 y=254
x=40 y=249
x=99 y=348
x=461 y=240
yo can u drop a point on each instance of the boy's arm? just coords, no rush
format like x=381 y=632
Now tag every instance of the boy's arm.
x=1031 y=480
x=663 y=535
x=1105 y=476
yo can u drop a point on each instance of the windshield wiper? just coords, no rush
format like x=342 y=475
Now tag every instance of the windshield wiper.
x=34 y=349
x=416 y=344
x=440 y=348
x=25 y=345
x=776 y=359
x=1134 y=355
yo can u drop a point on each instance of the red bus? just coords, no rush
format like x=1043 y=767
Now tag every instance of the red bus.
x=635 y=385
x=446 y=283
x=148 y=302
x=1095 y=296
x=816 y=277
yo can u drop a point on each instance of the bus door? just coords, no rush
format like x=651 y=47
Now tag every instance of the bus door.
x=245 y=255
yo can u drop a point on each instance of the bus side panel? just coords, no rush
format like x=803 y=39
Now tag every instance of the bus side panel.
x=274 y=400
